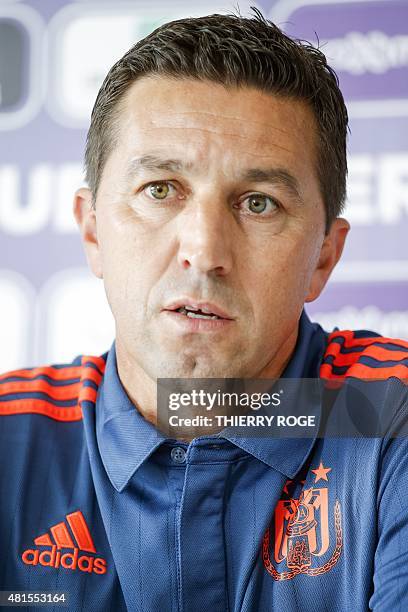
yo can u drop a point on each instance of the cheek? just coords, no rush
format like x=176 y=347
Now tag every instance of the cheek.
x=124 y=264
x=134 y=262
x=278 y=276
x=124 y=240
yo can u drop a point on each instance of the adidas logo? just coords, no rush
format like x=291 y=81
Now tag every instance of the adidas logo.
x=62 y=539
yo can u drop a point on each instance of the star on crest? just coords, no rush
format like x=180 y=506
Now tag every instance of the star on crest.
x=321 y=473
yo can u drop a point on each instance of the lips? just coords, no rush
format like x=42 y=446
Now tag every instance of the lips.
x=196 y=309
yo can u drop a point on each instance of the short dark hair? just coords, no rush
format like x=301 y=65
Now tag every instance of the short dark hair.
x=234 y=51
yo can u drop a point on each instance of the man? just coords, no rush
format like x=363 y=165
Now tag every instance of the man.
x=216 y=165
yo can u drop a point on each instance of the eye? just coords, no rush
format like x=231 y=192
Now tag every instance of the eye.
x=259 y=203
x=159 y=191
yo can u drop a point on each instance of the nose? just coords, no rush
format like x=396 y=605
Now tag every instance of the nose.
x=205 y=235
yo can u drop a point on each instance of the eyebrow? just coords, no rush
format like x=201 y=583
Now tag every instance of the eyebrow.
x=277 y=176
x=152 y=162
x=274 y=176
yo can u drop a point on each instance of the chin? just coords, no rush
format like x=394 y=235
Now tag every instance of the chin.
x=194 y=367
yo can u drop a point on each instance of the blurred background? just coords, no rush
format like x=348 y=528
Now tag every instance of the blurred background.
x=54 y=55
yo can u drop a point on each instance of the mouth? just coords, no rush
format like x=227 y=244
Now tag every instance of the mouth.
x=198 y=310
x=196 y=314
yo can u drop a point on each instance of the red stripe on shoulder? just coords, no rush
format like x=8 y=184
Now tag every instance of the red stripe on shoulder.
x=365 y=347
x=360 y=370
x=350 y=340
x=376 y=352
x=79 y=391
x=98 y=361
x=89 y=393
x=36 y=406
x=40 y=386
x=58 y=374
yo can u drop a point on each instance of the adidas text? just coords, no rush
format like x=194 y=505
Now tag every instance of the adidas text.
x=69 y=560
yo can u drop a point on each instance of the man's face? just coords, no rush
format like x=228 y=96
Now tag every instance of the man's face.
x=209 y=201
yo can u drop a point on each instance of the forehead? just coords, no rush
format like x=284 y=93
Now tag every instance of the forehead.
x=196 y=112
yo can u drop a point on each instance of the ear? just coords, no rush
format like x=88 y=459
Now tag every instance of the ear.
x=330 y=254
x=85 y=215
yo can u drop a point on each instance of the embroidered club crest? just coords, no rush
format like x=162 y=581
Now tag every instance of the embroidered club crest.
x=302 y=532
